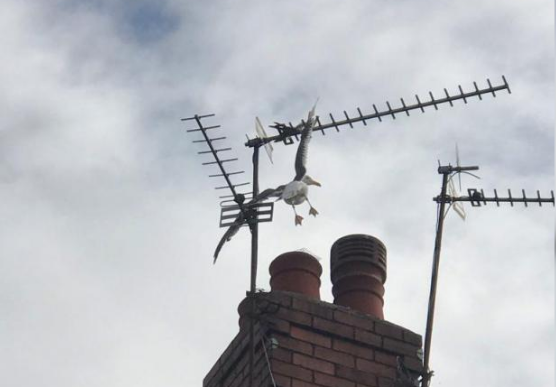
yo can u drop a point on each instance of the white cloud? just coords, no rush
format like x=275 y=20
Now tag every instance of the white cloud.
x=110 y=221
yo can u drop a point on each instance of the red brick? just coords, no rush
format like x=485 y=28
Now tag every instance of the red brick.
x=300 y=383
x=368 y=338
x=353 y=320
x=235 y=376
x=279 y=325
x=413 y=364
x=233 y=345
x=353 y=349
x=310 y=337
x=356 y=376
x=385 y=382
x=314 y=364
x=282 y=381
x=258 y=379
x=280 y=298
x=294 y=344
x=399 y=347
x=375 y=368
x=214 y=371
x=233 y=380
x=261 y=380
x=384 y=358
x=260 y=367
x=294 y=316
x=282 y=354
x=335 y=356
x=333 y=327
x=319 y=309
x=291 y=370
x=331 y=381
x=385 y=329
x=412 y=338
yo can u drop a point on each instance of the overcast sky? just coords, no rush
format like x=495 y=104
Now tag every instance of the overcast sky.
x=110 y=221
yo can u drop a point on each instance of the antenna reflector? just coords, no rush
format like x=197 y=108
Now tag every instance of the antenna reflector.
x=456 y=205
x=261 y=133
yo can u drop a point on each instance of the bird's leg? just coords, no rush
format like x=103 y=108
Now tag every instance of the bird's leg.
x=298 y=218
x=312 y=210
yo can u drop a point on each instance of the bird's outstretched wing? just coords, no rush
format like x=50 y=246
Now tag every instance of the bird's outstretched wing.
x=234 y=228
x=269 y=193
x=302 y=150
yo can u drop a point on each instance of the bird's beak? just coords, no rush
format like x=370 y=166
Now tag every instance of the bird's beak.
x=316 y=183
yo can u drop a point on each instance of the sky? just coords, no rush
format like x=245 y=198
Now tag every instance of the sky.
x=110 y=220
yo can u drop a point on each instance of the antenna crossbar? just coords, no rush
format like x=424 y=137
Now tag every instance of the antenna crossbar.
x=234 y=185
x=227 y=173
x=216 y=150
x=219 y=162
x=210 y=139
x=197 y=116
x=203 y=129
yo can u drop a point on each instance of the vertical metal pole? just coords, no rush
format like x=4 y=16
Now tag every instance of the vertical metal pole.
x=254 y=226
x=434 y=280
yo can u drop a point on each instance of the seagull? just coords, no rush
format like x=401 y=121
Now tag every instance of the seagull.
x=294 y=193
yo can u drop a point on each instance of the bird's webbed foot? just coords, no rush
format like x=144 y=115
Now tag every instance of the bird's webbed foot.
x=298 y=220
x=313 y=211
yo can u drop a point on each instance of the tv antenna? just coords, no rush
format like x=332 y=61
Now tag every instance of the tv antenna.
x=287 y=133
x=477 y=198
x=257 y=212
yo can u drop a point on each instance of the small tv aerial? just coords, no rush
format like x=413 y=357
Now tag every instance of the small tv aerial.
x=477 y=198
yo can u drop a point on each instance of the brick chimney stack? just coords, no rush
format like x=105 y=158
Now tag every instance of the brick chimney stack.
x=304 y=342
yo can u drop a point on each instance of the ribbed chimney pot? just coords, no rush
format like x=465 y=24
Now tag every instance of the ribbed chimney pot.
x=358 y=273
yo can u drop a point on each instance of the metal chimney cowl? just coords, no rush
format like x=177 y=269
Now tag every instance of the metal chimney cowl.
x=358 y=273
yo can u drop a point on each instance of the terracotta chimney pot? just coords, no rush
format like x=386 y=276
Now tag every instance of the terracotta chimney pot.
x=296 y=271
x=358 y=273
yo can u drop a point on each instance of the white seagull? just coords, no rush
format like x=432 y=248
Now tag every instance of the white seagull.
x=294 y=193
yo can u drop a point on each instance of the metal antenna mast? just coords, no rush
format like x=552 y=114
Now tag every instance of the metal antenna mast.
x=476 y=198
x=251 y=214
x=235 y=211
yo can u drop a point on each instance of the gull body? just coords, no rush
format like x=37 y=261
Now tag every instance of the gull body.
x=295 y=193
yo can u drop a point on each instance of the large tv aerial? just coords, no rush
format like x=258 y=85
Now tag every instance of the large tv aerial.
x=236 y=212
x=477 y=198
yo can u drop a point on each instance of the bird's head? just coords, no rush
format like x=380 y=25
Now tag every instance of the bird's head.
x=310 y=181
